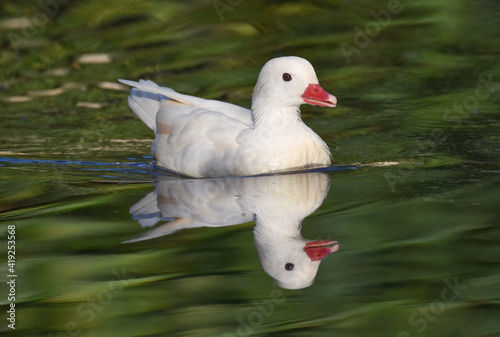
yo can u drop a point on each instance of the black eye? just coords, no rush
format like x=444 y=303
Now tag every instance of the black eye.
x=289 y=266
x=287 y=77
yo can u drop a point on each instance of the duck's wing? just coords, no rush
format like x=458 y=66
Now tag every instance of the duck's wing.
x=146 y=97
x=197 y=143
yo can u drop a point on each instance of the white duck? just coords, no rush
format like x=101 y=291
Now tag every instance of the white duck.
x=277 y=203
x=196 y=137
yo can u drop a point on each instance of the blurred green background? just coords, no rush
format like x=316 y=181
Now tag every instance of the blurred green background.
x=417 y=83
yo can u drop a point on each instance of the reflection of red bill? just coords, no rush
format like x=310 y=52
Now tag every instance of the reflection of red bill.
x=317 y=250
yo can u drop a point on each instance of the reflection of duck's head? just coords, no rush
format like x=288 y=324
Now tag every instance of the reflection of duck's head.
x=294 y=263
x=285 y=255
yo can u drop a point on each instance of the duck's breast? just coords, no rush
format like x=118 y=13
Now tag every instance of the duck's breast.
x=264 y=150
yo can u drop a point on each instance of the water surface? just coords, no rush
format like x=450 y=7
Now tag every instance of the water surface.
x=416 y=218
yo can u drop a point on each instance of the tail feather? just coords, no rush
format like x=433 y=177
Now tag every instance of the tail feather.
x=145 y=104
x=146 y=96
x=164 y=92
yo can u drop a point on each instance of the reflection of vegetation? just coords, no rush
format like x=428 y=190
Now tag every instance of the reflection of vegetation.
x=399 y=246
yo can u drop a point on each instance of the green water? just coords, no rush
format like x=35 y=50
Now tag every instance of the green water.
x=417 y=219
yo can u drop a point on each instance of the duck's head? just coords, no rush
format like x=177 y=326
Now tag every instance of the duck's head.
x=289 y=82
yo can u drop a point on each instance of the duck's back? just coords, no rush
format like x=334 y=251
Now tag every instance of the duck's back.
x=195 y=141
x=193 y=136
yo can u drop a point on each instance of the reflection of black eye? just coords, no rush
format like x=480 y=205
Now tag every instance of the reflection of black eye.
x=287 y=77
x=289 y=266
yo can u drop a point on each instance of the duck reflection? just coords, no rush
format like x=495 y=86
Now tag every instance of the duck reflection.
x=277 y=203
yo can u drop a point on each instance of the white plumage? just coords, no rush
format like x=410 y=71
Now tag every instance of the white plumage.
x=197 y=137
x=277 y=203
